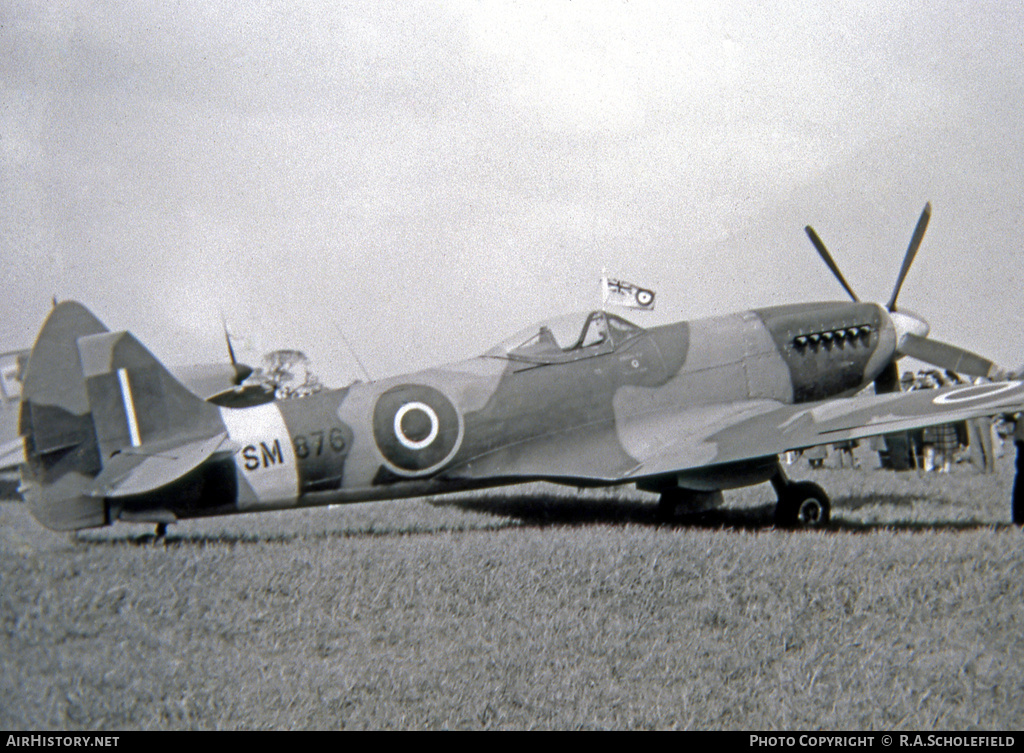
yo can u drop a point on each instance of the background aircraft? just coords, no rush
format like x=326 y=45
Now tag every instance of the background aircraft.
x=685 y=410
x=12 y=368
x=12 y=454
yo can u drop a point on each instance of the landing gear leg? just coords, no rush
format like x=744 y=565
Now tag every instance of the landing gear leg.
x=801 y=504
x=675 y=502
x=666 y=508
x=161 y=531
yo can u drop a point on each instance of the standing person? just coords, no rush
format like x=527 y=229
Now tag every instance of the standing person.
x=946 y=446
x=947 y=441
x=982 y=452
x=930 y=434
x=979 y=440
x=845 y=450
x=816 y=455
x=929 y=438
x=1017 y=502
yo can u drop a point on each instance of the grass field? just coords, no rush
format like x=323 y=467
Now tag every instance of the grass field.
x=537 y=607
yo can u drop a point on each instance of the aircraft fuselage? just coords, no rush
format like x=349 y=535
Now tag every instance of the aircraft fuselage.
x=587 y=399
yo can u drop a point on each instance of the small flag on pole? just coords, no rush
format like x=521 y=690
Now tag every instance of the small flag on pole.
x=621 y=293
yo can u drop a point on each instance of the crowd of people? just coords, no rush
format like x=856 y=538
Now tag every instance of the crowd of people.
x=938 y=447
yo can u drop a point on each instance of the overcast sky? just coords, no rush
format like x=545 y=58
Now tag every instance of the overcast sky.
x=427 y=178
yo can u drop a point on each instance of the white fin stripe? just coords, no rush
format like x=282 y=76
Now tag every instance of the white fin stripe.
x=129 y=407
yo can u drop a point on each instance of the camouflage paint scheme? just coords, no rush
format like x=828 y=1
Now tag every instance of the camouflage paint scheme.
x=694 y=406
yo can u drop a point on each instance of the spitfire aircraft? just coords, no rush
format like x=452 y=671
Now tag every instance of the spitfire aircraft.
x=684 y=410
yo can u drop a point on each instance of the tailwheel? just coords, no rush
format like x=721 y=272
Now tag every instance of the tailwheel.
x=802 y=504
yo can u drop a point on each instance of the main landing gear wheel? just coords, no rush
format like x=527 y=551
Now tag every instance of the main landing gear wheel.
x=802 y=505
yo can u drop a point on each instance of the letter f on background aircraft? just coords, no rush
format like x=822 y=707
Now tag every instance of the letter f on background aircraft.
x=684 y=410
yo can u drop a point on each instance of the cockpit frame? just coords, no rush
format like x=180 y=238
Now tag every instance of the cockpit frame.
x=551 y=341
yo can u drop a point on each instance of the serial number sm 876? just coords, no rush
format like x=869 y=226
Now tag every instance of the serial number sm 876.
x=313 y=444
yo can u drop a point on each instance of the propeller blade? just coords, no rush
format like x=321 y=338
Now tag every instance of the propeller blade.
x=827 y=258
x=227 y=339
x=242 y=371
x=908 y=259
x=950 y=357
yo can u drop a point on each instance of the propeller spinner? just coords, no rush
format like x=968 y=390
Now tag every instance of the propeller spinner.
x=911 y=329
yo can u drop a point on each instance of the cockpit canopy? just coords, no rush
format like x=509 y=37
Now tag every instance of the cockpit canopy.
x=567 y=338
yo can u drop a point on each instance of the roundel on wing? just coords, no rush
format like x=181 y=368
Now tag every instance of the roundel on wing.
x=416 y=428
x=974 y=392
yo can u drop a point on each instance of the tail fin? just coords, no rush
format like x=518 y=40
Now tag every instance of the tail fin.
x=103 y=418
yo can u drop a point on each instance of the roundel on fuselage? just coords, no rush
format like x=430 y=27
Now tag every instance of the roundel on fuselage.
x=416 y=428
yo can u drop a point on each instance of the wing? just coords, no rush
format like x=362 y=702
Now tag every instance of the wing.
x=659 y=442
x=744 y=431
